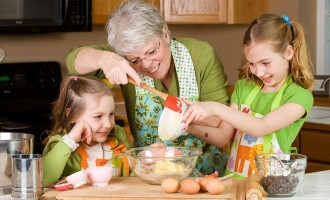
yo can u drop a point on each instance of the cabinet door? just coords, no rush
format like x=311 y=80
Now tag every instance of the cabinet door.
x=195 y=11
x=212 y=11
x=244 y=11
x=102 y=9
x=315 y=145
x=316 y=167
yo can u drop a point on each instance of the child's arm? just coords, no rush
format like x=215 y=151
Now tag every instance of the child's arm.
x=55 y=157
x=256 y=127
x=218 y=136
x=58 y=151
x=212 y=135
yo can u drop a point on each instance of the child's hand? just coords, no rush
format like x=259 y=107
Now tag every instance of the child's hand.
x=80 y=132
x=197 y=112
x=211 y=121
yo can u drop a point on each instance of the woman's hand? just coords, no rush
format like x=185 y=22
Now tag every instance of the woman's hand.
x=81 y=132
x=116 y=68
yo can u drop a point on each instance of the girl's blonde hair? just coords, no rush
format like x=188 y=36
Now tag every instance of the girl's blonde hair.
x=71 y=97
x=274 y=30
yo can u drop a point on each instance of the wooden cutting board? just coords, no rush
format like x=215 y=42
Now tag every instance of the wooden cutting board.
x=133 y=188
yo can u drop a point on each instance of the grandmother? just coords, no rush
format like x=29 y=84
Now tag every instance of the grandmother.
x=140 y=46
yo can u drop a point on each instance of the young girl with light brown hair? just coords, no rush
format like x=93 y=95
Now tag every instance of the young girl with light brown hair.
x=84 y=133
x=271 y=100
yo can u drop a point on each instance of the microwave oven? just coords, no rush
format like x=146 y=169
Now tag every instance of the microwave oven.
x=42 y=16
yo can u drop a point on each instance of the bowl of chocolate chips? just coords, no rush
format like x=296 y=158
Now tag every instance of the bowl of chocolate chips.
x=281 y=173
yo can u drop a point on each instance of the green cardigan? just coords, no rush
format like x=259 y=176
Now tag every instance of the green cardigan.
x=210 y=75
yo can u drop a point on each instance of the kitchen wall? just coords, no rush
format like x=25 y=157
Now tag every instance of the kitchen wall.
x=226 y=39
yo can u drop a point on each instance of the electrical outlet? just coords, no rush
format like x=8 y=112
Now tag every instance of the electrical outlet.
x=317 y=85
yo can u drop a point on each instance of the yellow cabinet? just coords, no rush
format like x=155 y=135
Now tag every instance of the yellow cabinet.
x=192 y=11
x=212 y=11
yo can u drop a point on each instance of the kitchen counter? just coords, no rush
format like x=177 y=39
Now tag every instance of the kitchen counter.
x=130 y=188
x=314 y=186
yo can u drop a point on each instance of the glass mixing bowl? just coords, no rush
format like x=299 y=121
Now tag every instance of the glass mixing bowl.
x=153 y=164
x=281 y=173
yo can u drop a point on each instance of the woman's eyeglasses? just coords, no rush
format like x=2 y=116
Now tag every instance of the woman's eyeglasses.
x=149 y=56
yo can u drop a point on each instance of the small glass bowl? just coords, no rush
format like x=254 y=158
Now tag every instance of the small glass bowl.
x=281 y=173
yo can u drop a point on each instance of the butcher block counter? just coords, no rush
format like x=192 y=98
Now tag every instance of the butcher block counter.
x=133 y=188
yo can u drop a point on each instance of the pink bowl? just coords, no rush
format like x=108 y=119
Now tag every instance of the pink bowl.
x=77 y=179
x=100 y=175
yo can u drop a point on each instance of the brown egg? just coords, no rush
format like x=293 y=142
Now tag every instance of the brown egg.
x=215 y=186
x=189 y=186
x=170 y=185
x=203 y=182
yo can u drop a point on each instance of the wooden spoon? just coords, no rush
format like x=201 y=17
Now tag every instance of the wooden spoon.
x=150 y=89
x=171 y=102
x=175 y=104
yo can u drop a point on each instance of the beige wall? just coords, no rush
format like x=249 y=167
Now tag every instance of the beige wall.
x=226 y=39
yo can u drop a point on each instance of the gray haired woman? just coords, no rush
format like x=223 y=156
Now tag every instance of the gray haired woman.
x=140 y=46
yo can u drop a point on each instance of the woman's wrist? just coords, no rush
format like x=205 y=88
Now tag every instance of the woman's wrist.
x=87 y=60
x=105 y=59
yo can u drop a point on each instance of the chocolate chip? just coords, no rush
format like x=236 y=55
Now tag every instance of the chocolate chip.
x=280 y=184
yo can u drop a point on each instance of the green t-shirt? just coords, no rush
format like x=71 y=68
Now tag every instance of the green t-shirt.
x=263 y=102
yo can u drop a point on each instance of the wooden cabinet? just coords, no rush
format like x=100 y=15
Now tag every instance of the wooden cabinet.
x=102 y=9
x=212 y=11
x=195 y=11
x=192 y=11
x=314 y=142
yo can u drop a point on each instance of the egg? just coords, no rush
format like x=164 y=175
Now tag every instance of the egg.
x=189 y=186
x=170 y=185
x=203 y=182
x=215 y=186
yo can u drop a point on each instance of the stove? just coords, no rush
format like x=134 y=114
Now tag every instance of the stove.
x=27 y=91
